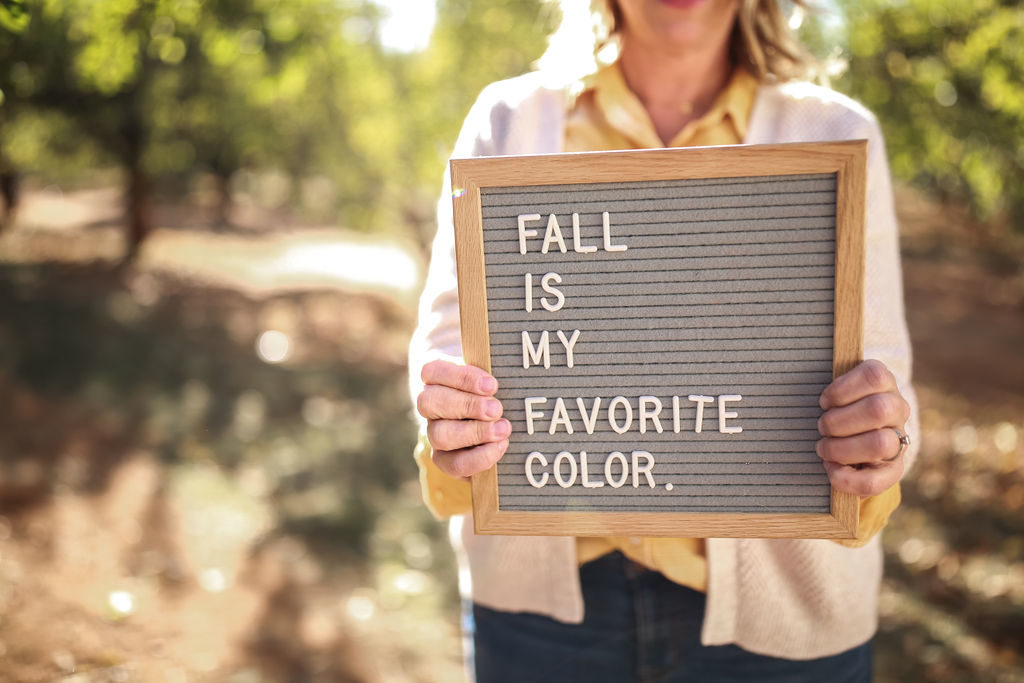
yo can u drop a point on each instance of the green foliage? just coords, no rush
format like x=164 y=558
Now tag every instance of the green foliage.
x=477 y=43
x=944 y=78
x=13 y=16
x=171 y=88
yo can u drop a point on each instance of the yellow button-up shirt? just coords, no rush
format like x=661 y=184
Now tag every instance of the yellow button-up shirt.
x=607 y=115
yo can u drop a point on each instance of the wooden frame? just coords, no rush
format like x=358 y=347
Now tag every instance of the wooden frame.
x=846 y=159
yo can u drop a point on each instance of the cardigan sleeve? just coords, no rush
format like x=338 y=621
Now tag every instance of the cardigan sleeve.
x=886 y=337
x=438 y=334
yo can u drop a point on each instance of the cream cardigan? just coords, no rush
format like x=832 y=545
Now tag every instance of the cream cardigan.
x=798 y=599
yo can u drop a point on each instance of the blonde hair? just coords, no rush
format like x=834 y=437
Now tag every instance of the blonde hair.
x=762 y=42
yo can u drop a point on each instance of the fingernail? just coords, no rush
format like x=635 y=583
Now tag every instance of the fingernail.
x=493 y=409
x=501 y=429
x=488 y=385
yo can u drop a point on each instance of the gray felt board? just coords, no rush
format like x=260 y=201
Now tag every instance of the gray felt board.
x=726 y=288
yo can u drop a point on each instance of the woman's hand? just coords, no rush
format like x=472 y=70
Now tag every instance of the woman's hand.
x=464 y=423
x=863 y=409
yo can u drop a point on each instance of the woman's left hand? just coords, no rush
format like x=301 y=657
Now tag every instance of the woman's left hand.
x=863 y=411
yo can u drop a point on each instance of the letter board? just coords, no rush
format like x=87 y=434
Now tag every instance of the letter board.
x=661 y=324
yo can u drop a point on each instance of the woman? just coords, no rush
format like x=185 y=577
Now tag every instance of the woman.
x=683 y=72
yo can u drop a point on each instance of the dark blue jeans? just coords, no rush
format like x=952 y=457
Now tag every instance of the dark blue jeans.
x=641 y=627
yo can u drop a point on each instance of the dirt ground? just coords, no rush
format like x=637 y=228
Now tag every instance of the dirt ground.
x=205 y=471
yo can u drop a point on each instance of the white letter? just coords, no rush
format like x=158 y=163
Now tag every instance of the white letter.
x=722 y=414
x=675 y=414
x=608 y=246
x=612 y=481
x=523 y=232
x=646 y=414
x=569 y=344
x=529 y=292
x=532 y=414
x=645 y=469
x=565 y=455
x=700 y=401
x=559 y=416
x=587 y=484
x=576 y=246
x=589 y=421
x=619 y=400
x=554 y=234
x=545 y=284
x=536 y=456
x=535 y=354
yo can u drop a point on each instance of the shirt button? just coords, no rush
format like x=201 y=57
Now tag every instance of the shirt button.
x=635 y=540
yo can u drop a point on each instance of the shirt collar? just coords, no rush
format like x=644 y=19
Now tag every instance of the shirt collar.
x=624 y=111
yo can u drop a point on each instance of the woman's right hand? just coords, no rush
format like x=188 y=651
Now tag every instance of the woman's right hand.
x=464 y=423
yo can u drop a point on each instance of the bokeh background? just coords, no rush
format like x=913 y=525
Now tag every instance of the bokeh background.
x=215 y=220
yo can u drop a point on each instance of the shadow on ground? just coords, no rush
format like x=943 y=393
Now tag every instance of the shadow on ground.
x=208 y=482
x=199 y=482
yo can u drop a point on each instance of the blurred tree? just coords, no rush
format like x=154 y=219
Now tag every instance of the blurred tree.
x=945 y=78
x=13 y=15
x=255 y=89
x=87 y=60
x=168 y=88
x=13 y=19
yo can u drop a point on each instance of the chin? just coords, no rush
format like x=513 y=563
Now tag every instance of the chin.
x=680 y=24
x=683 y=4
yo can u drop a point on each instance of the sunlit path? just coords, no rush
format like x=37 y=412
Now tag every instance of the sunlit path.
x=86 y=225
x=293 y=260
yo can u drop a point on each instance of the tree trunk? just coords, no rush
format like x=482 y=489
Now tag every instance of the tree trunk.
x=134 y=133
x=140 y=211
x=10 y=191
x=224 y=204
